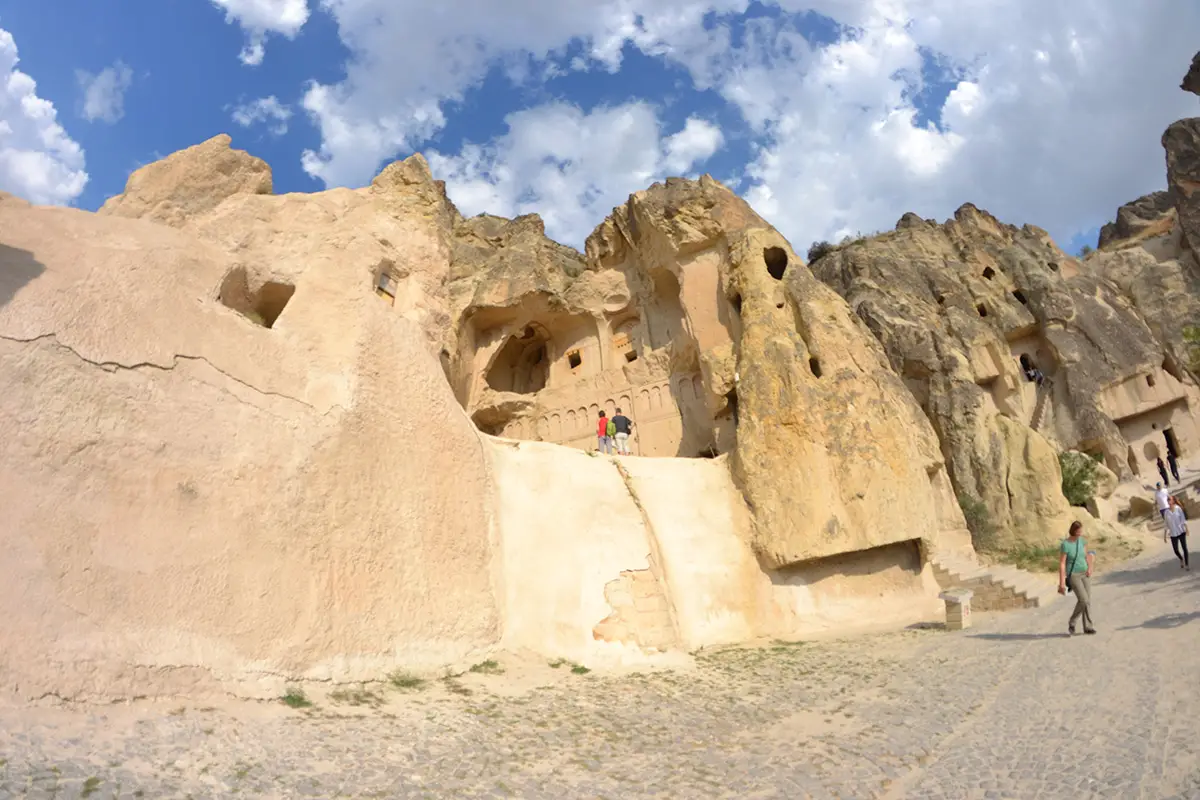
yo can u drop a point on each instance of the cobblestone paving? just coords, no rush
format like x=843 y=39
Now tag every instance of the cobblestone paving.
x=1008 y=709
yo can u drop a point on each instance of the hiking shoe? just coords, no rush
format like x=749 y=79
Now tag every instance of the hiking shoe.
x=1089 y=631
x=1070 y=630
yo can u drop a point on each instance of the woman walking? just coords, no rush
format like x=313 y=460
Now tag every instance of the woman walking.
x=1074 y=574
x=1177 y=528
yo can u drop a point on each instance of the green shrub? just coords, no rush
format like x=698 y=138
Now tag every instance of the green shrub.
x=818 y=250
x=979 y=521
x=295 y=698
x=1085 y=251
x=1078 y=477
x=1191 y=335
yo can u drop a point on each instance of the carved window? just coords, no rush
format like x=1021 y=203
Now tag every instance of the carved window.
x=385 y=287
x=574 y=358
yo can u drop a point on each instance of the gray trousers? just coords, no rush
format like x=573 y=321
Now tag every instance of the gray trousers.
x=1081 y=585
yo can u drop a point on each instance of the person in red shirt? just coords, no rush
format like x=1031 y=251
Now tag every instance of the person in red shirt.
x=603 y=440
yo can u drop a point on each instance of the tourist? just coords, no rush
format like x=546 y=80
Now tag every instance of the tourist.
x=1173 y=463
x=1176 y=521
x=1074 y=574
x=1162 y=470
x=1162 y=499
x=623 y=426
x=602 y=436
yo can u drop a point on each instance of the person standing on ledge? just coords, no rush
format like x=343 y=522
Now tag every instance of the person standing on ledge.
x=1177 y=528
x=1162 y=470
x=1162 y=499
x=624 y=427
x=1074 y=574
x=604 y=443
x=1173 y=463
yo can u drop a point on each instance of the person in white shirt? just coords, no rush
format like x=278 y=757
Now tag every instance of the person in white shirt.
x=1162 y=498
x=1177 y=529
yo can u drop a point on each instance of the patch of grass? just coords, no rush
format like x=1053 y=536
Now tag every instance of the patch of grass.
x=356 y=697
x=295 y=698
x=207 y=731
x=455 y=686
x=241 y=770
x=579 y=669
x=405 y=680
x=556 y=663
x=177 y=712
x=90 y=786
x=979 y=521
x=489 y=667
x=1031 y=559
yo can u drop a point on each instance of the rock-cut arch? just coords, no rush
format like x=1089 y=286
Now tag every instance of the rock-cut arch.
x=523 y=364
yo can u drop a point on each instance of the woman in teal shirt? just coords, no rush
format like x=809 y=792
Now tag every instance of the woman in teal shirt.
x=1075 y=572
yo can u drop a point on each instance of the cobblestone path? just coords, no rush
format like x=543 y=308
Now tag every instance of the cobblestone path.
x=1009 y=709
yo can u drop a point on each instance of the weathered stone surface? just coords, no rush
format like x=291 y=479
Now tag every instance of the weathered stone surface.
x=1191 y=81
x=246 y=465
x=956 y=307
x=197 y=502
x=1182 y=143
x=1147 y=215
x=190 y=182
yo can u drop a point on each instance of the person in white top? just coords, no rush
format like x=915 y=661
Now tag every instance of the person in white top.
x=1162 y=498
x=1177 y=529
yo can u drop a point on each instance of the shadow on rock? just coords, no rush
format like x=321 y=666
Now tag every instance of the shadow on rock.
x=17 y=268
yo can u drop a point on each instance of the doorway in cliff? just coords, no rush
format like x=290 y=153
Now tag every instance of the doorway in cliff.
x=1172 y=442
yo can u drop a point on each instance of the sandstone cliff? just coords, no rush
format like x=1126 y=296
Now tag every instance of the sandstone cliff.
x=965 y=311
x=253 y=458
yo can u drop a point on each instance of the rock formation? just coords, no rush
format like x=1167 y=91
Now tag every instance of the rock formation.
x=254 y=438
x=1191 y=81
x=253 y=458
x=1148 y=215
x=188 y=183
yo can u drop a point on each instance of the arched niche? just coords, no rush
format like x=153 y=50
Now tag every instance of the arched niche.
x=523 y=364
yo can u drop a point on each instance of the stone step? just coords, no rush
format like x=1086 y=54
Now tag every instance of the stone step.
x=1016 y=587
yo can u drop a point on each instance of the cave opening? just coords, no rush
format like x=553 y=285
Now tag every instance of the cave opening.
x=776 y=260
x=262 y=306
x=522 y=366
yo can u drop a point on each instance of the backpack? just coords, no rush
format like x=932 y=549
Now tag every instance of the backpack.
x=611 y=430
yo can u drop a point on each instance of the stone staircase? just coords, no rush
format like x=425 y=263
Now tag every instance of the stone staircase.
x=1189 y=498
x=997 y=587
x=1042 y=394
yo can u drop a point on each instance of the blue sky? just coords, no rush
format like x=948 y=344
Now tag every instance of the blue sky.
x=830 y=117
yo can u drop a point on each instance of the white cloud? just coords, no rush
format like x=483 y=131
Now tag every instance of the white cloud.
x=104 y=93
x=1055 y=120
x=696 y=143
x=259 y=18
x=1054 y=115
x=409 y=57
x=265 y=110
x=569 y=166
x=38 y=160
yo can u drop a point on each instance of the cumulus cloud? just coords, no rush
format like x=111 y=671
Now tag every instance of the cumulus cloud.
x=571 y=166
x=104 y=92
x=38 y=160
x=264 y=111
x=410 y=58
x=1040 y=112
x=258 y=18
x=1054 y=116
